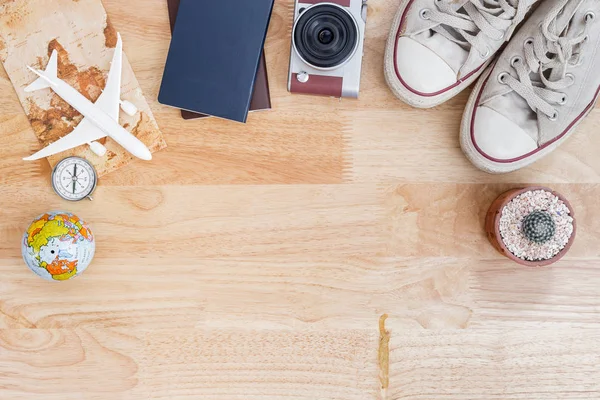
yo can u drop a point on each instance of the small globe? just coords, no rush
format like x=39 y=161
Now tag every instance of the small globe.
x=58 y=246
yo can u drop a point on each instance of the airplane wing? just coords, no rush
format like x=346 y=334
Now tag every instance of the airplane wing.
x=84 y=133
x=109 y=100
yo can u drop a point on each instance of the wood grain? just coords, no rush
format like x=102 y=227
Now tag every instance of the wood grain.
x=256 y=261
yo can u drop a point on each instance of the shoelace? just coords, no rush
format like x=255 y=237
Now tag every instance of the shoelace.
x=549 y=55
x=480 y=21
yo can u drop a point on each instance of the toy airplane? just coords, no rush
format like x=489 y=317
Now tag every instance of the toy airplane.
x=101 y=119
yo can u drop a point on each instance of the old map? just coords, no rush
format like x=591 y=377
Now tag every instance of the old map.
x=84 y=38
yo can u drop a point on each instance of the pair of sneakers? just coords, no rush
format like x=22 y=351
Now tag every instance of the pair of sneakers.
x=530 y=95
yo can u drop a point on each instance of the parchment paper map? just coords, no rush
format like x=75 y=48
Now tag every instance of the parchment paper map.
x=81 y=33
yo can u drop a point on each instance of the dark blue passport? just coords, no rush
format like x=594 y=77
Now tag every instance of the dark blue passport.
x=214 y=56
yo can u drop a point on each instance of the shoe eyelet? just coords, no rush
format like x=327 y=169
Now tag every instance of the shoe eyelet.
x=425 y=13
x=554 y=117
x=571 y=76
x=563 y=101
x=586 y=38
x=590 y=16
x=528 y=41
x=486 y=54
x=514 y=60
x=502 y=78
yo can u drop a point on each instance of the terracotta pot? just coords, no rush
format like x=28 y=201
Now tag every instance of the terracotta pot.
x=492 y=226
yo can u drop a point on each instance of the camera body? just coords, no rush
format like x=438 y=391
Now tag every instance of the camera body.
x=327 y=47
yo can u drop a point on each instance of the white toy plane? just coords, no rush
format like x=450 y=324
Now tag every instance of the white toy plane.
x=101 y=119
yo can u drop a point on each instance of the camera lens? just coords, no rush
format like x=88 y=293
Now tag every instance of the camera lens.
x=325 y=36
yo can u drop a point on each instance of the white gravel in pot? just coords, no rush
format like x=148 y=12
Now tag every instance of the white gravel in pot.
x=520 y=207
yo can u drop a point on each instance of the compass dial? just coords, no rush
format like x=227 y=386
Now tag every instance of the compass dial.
x=74 y=179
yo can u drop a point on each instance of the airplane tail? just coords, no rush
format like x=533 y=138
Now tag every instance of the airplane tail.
x=43 y=81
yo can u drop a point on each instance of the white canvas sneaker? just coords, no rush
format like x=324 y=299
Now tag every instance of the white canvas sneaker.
x=543 y=85
x=437 y=48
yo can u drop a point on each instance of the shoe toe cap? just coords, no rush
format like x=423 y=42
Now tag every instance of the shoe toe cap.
x=500 y=138
x=421 y=69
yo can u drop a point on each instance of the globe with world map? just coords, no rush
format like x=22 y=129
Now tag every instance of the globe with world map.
x=58 y=246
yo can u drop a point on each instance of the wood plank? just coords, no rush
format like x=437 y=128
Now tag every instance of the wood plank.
x=211 y=221
x=447 y=219
x=526 y=364
x=273 y=364
x=292 y=292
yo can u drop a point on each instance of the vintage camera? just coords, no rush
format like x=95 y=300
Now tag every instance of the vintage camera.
x=327 y=47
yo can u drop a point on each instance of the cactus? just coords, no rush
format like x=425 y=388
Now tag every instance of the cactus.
x=539 y=227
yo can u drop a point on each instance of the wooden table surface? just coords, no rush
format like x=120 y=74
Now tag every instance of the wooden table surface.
x=256 y=261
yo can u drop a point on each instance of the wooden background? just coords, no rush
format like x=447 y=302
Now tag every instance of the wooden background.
x=256 y=261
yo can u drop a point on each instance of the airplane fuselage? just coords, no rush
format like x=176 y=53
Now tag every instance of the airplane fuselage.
x=100 y=119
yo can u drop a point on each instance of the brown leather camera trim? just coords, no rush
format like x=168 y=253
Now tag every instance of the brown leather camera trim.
x=318 y=84
x=343 y=3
